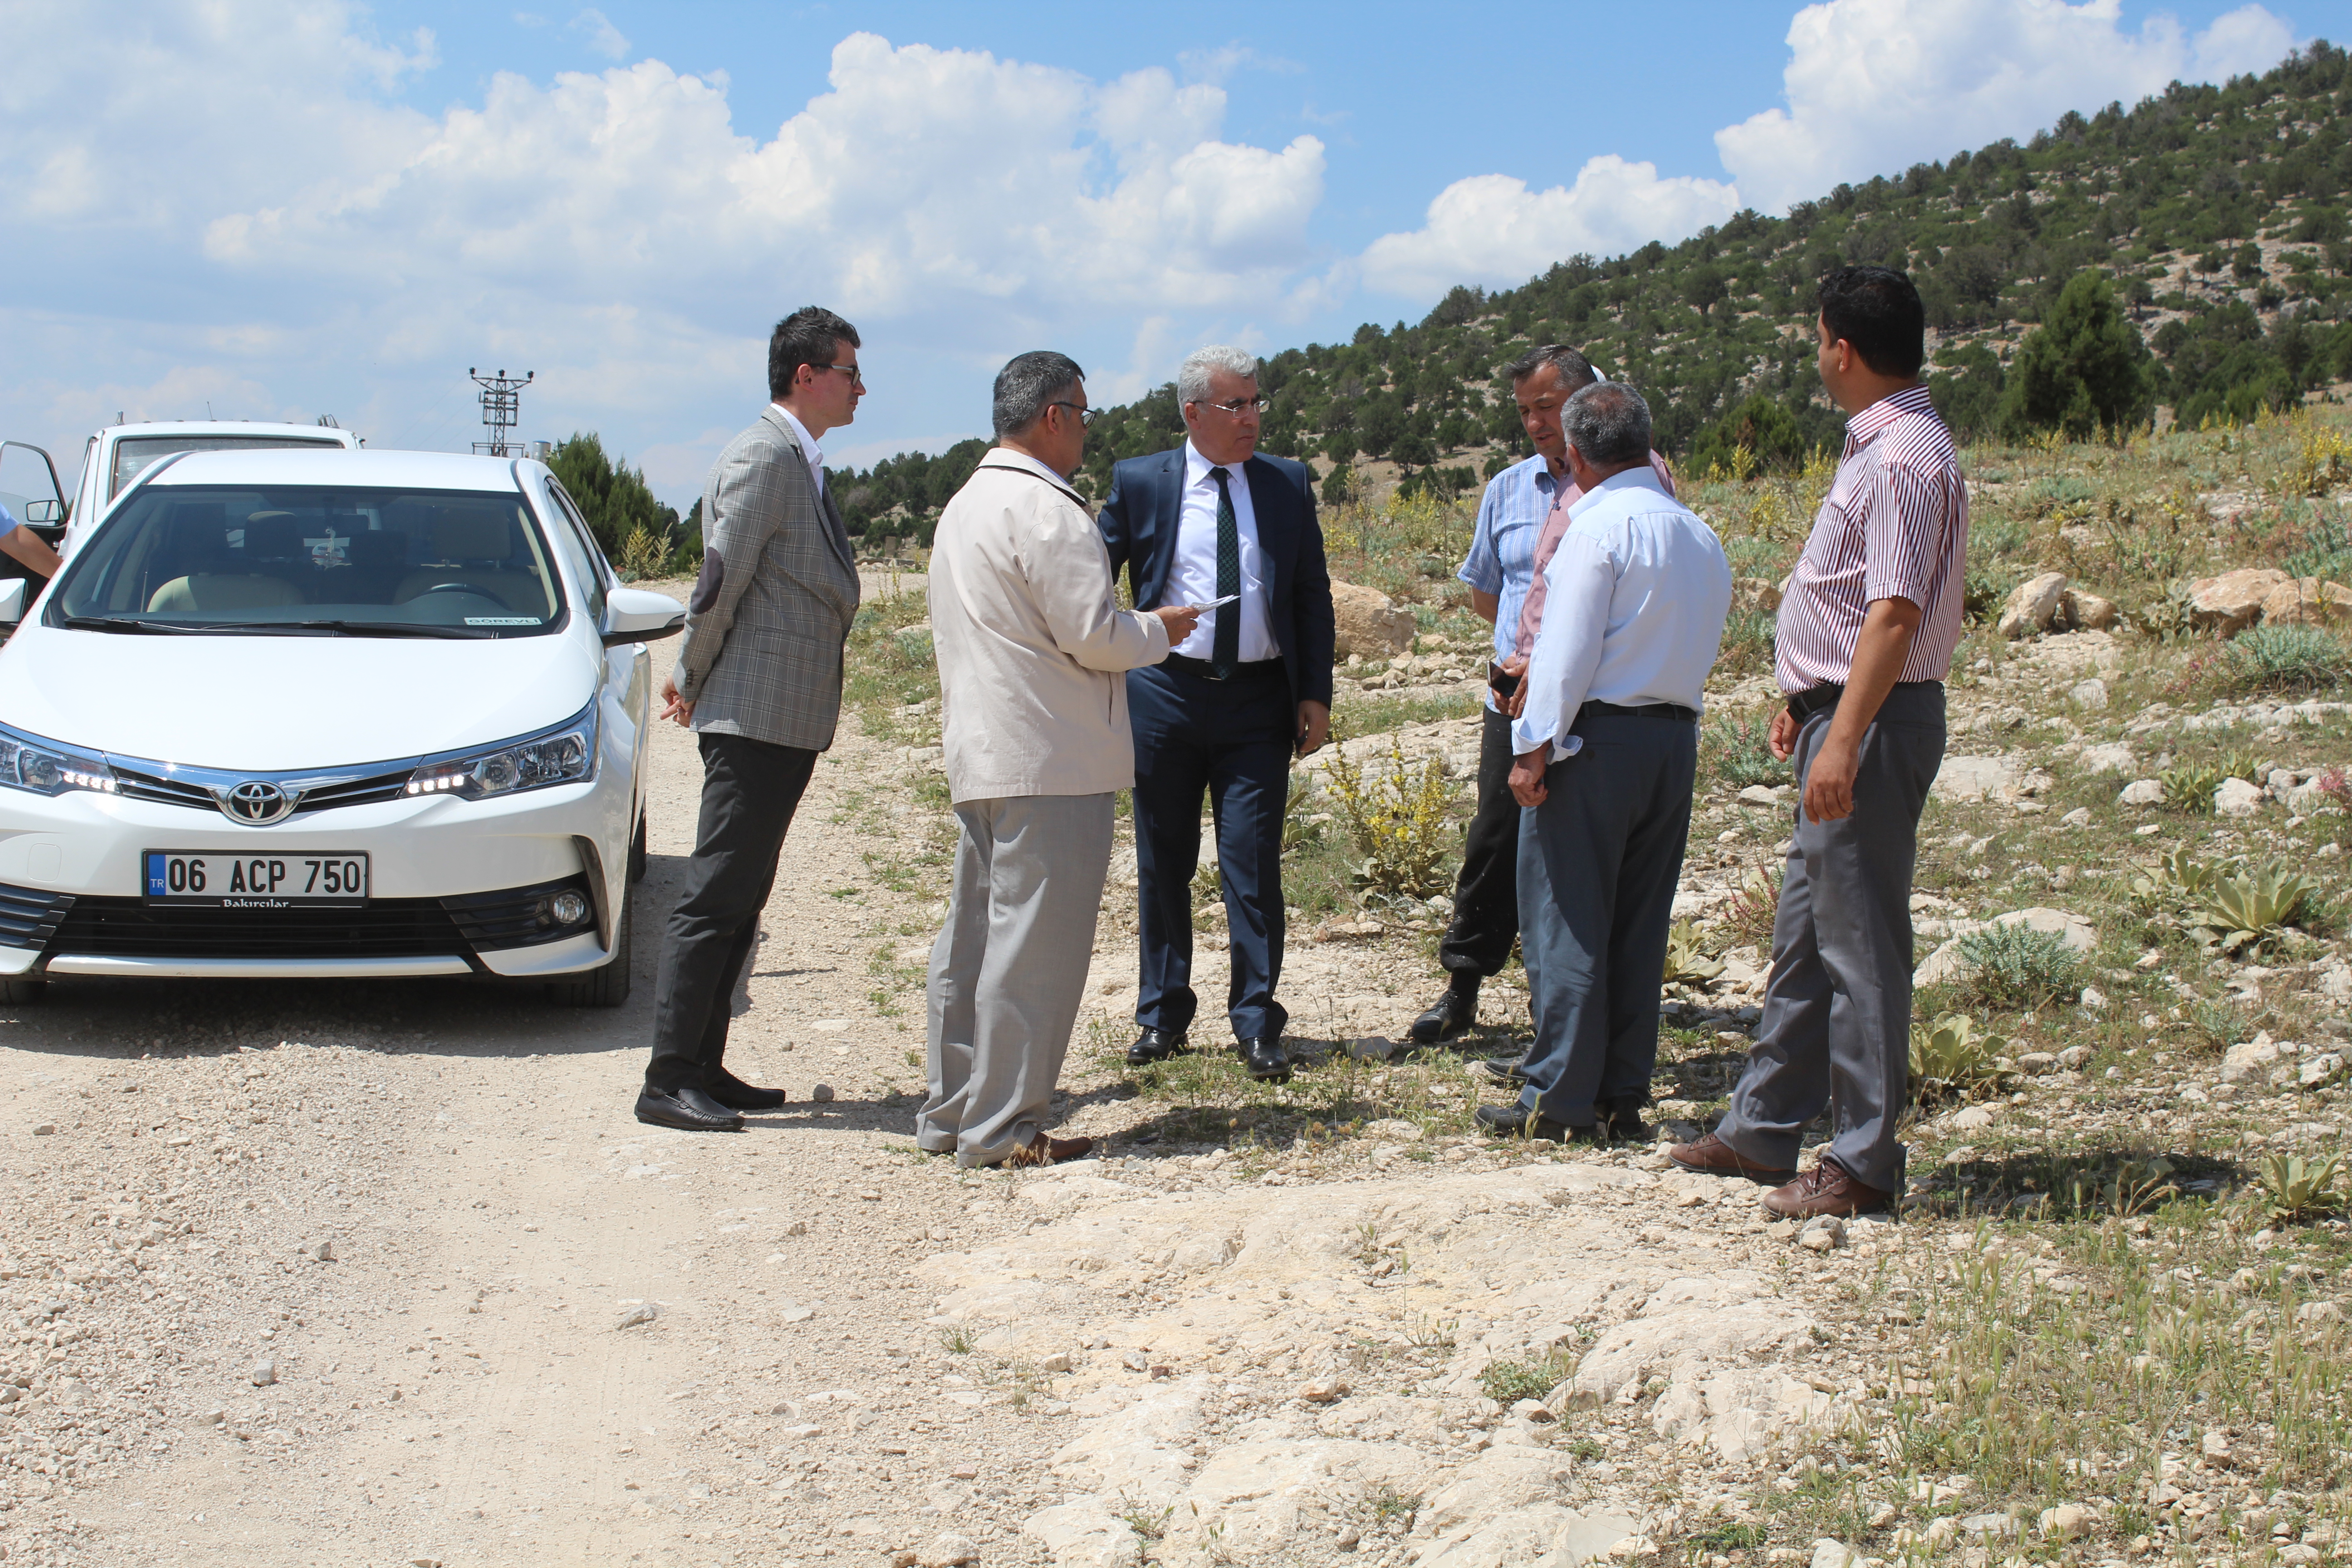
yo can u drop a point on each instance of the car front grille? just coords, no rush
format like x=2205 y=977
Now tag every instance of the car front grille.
x=386 y=928
x=140 y=780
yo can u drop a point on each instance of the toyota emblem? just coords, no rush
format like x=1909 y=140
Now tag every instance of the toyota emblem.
x=257 y=804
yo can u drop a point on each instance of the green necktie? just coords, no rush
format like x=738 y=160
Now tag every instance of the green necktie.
x=1225 y=639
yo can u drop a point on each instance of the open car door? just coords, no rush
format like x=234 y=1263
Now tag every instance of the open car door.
x=28 y=485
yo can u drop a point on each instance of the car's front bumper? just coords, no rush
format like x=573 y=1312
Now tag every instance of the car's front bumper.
x=453 y=887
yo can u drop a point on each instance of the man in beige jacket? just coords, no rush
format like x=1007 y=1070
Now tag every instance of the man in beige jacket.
x=1032 y=650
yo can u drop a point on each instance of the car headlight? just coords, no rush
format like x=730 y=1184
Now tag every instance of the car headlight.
x=44 y=767
x=564 y=755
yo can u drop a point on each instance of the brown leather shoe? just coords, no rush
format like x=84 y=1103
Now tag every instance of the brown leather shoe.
x=1827 y=1188
x=1711 y=1156
x=1043 y=1151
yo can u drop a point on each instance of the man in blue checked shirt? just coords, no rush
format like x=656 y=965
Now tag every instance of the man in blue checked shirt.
x=1501 y=566
x=26 y=546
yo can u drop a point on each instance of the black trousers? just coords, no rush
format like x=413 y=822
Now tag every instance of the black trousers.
x=1230 y=742
x=1477 y=939
x=750 y=791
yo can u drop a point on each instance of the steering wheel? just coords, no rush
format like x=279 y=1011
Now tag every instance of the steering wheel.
x=468 y=588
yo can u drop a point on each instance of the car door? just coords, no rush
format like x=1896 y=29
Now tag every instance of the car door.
x=29 y=489
x=628 y=669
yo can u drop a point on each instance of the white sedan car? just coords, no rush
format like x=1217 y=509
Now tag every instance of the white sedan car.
x=328 y=714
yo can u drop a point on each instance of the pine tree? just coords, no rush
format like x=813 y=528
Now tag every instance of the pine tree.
x=2084 y=370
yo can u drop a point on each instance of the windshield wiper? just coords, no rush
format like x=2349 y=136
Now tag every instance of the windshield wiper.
x=119 y=624
x=370 y=628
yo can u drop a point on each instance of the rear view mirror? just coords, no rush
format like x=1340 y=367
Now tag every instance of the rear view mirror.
x=12 y=600
x=44 y=511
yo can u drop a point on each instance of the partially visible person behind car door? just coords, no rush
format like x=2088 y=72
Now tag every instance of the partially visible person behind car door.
x=1032 y=650
x=25 y=545
x=758 y=681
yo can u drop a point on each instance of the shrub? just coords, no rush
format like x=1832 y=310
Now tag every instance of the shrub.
x=1508 y=1382
x=1401 y=823
x=2016 y=965
x=2292 y=1188
x=2288 y=658
x=2251 y=908
x=1949 y=1060
x=1738 y=753
x=2188 y=788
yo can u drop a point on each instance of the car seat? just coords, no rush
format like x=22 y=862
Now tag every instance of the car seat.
x=472 y=546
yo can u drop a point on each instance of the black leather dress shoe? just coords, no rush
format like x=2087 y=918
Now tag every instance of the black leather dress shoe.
x=1516 y=1122
x=1452 y=1013
x=1156 y=1045
x=689 y=1110
x=1623 y=1121
x=1266 y=1061
x=736 y=1095
x=1511 y=1070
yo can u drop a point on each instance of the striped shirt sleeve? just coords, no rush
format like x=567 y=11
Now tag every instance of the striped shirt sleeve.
x=1903 y=542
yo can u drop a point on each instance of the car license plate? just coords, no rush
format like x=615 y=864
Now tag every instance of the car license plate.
x=304 y=879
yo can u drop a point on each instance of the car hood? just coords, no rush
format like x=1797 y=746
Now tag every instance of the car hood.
x=273 y=703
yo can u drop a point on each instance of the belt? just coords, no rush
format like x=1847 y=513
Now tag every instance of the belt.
x=1803 y=705
x=1208 y=671
x=1647 y=710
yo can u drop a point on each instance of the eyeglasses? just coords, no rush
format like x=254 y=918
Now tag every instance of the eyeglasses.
x=856 y=376
x=1086 y=416
x=1240 y=406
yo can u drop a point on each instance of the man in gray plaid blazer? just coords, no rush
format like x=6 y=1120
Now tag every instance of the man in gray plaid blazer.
x=759 y=679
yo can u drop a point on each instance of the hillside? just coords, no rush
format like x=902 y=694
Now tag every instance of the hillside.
x=2219 y=212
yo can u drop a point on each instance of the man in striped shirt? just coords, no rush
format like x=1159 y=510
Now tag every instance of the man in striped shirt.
x=1865 y=637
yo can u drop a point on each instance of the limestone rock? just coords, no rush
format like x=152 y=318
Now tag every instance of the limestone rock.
x=1976 y=778
x=2252 y=1061
x=2112 y=758
x=2089 y=695
x=2032 y=605
x=2307 y=602
x=2066 y=1522
x=948 y=1552
x=1830 y=1554
x=1084 y=1533
x=2091 y=613
x=2142 y=792
x=2236 y=797
x=1366 y=622
x=2228 y=603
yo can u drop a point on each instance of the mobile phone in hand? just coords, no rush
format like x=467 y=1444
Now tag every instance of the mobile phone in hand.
x=1501 y=680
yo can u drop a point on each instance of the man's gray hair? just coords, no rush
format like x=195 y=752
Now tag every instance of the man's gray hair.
x=1609 y=423
x=1574 y=369
x=1026 y=385
x=1192 y=375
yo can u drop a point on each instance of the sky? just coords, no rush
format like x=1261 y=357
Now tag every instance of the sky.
x=284 y=208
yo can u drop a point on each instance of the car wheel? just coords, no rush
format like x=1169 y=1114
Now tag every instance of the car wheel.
x=608 y=984
x=638 y=852
x=23 y=993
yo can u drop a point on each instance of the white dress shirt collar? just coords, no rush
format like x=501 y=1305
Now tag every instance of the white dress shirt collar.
x=809 y=448
x=1642 y=478
x=1196 y=466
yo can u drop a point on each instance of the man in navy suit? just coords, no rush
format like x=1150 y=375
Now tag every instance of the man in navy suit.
x=1235 y=701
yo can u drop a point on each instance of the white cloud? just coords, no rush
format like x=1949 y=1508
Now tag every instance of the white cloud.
x=1874 y=86
x=1492 y=229
x=601 y=36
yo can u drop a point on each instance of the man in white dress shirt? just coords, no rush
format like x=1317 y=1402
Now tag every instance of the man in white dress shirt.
x=1222 y=717
x=1607 y=750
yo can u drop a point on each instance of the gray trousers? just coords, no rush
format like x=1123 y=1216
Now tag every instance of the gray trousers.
x=1836 y=1030
x=1598 y=863
x=1009 y=967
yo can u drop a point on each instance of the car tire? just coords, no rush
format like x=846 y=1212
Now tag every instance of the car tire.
x=607 y=985
x=637 y=851
x=23 y=993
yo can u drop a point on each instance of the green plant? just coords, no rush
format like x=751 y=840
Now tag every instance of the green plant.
x=2013 y=965
x=956 y=1340
x=1401 y=823
x=1746 y=916
x=1508 y=1382
x=2188 y=788
x=2220 y=1023
x=2177 y=877
x=2288 y=658
x=1949 y=1060
x=1738 y=753
x=2291 y=1189
x=1727 y=1536
x=1298 y=808
x=1149 y=1525
x=644 y=553
x=2130 y=1186
x=1686 y=960
x=2250 y=909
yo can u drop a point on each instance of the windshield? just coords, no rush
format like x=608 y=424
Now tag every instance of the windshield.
x=311 y=557
x=134 y=454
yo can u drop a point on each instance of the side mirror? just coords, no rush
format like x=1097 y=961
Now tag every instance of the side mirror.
x=636 y=614
x=44 y=511
x=13 y=593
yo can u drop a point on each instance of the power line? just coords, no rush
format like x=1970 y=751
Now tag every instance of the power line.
x=501 y=399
